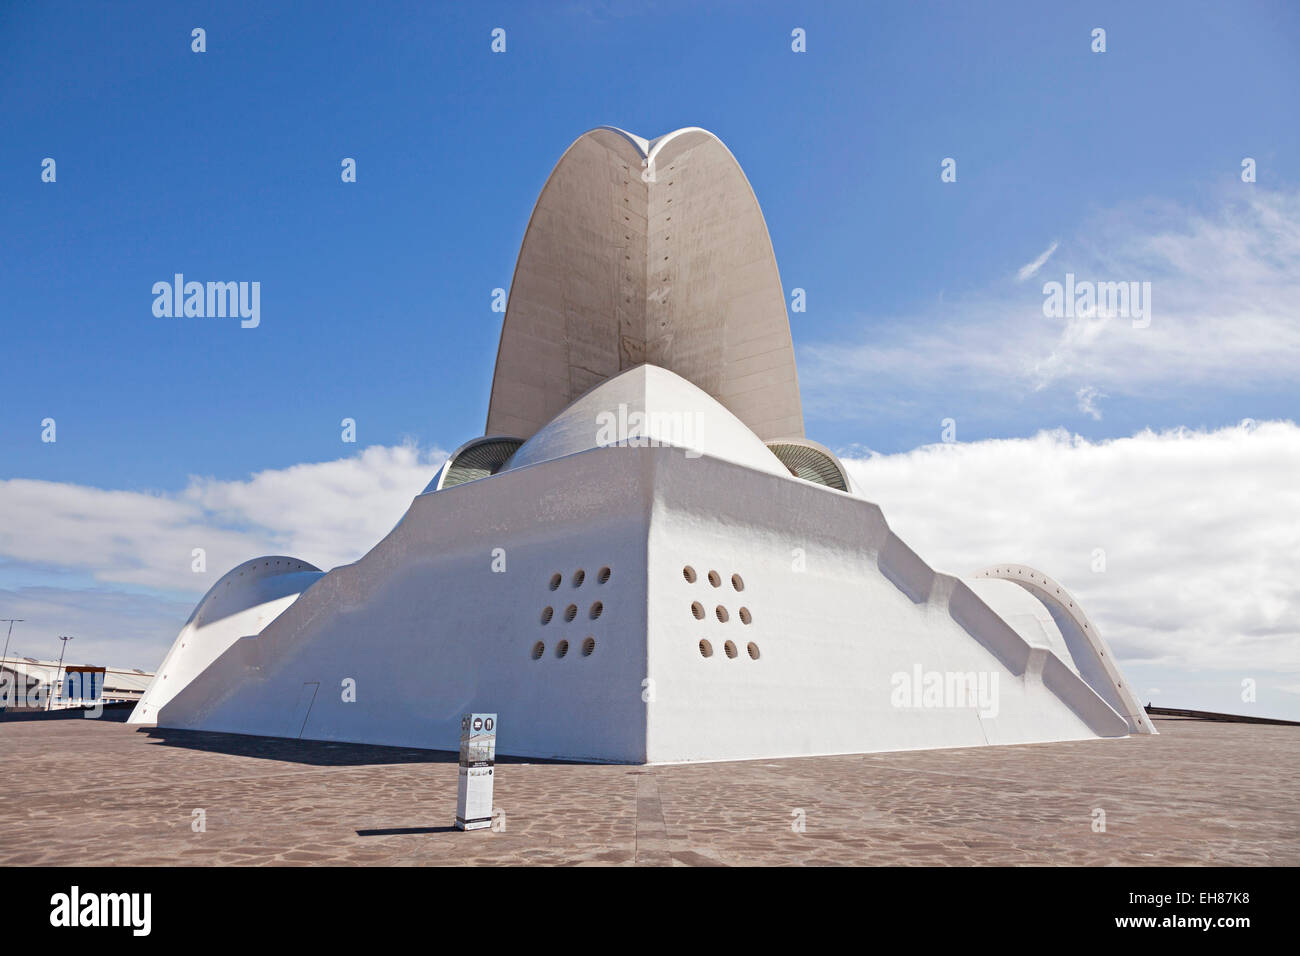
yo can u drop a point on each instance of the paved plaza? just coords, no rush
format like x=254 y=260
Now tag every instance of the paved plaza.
x=87 y=792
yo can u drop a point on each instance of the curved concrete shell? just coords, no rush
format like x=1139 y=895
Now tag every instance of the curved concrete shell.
x=812 y=461
x=647 y=407
x=473 y=460
x=242 y=603
x=646 y=253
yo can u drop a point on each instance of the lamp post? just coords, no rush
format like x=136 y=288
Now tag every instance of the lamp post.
x=12 y=621
x=5 y=660
x=50 y=702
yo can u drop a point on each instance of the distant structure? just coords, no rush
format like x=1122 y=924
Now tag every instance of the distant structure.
x=30 y=684
x=644 y=559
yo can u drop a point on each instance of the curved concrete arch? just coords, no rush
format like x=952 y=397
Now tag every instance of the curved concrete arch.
x=812 y=461
x=646 y=252
x=244 y=600
x=1091 y=655
x=477 y=458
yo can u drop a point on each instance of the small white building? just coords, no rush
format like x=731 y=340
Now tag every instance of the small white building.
x=30 y=684
x=644 y=559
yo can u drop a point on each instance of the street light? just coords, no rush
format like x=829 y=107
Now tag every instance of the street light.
x=5 y=660
x=50 y=701
x=12 y=620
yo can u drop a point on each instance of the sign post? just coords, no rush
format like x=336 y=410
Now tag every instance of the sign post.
x=478 y=753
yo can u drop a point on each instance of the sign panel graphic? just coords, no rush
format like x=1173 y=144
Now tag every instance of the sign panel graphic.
x=478 y=753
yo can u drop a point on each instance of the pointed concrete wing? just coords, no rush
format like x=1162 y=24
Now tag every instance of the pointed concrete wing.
x=646 y=252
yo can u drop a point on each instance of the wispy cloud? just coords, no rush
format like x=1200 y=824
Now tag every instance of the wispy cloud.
x=1031 y=268
x=326 y=513
x=115 y=568
x=1087 y=401
x=111 y=627
x=1225 y=312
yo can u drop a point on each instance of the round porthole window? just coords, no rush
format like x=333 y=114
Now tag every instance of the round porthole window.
x=571 y=612
x=589 y=645
x=538 y=650
x=715 y=579
x=547 y=614
x=722 y=614
x=730 y=648
x=561 y=648
x=753 y=650
x=706 y=649
x=688 y=573
x=698 y=610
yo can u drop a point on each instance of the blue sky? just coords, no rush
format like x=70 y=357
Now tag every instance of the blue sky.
x=376 y=296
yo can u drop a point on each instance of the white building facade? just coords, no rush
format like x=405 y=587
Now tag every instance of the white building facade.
x=28 y=684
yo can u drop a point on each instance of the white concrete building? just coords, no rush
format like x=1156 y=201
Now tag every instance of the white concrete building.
x=27 y=683
x=644 y=559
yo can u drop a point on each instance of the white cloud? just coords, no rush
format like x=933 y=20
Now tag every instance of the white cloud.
x=1031 y=268
x=1225 y=311
x=132 y=545
x=1200 y=531
x=326 y=513
x=1087 y=401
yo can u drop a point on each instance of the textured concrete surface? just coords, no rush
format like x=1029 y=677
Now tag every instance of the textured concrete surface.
x=624 y=264
x=82 y=791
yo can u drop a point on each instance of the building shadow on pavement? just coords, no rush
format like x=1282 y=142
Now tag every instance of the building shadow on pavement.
x=112 y=713
x=318 y=753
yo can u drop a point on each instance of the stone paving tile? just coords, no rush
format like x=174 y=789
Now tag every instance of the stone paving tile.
x=100 y=792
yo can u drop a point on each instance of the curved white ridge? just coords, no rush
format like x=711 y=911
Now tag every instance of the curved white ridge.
x=1027 y=615
x=1087 y=652
x=651 y=148
x=648 y=405
x=243 y=601
x=641 y=144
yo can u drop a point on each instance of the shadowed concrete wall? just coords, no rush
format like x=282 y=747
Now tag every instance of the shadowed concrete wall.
x=646 y=253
